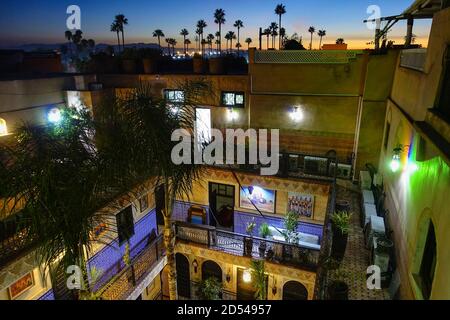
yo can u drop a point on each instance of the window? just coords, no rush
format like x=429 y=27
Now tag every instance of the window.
x=3 y=128
x=143 y=203
x=233 y=99
x=443 y=104
x=125 y=224
x=428 y=264
x=174 y=96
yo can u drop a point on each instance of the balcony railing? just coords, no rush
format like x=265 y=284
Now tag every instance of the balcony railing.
x=125 y=280
x=413 y=59
x=241 y=245
x=13 y=245
x=306 y=56
x=300 y=165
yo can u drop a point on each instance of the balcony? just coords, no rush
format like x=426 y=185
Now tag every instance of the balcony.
x=299 y=256
x=120 y=281
x=300 y=166
x=413 y=59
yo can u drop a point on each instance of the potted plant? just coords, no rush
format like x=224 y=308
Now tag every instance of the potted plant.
x=248 y=241
x=290 y=225
x=340 y=226
x=337 y=289
x=259 y=279
x=197 y=62
x=264 y=232
x=129 y=56
x=210 y=289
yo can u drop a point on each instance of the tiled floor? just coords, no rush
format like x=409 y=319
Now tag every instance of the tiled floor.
x=356 y=259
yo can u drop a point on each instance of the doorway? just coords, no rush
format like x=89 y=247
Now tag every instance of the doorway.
x=221 y=206
x=183 y=276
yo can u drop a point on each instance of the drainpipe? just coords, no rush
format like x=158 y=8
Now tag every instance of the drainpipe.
x=359 y=113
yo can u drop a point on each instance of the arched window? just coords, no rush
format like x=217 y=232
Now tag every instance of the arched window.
x=294 y=290
x=3 y=128
x=183 y=276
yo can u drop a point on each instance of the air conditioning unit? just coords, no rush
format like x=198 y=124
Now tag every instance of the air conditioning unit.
x=315 y=166
x=344 y=171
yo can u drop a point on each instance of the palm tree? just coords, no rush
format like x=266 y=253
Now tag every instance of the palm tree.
x=184 y=33
x=230 y=36
x=168 y=41
x=210 y=39
x=115 y=28
x=197 y=39
x=340 y=41
x=248 y=41
x=267 y=32
x=158 y=34
x=280 y=9
x=201 y=25
x=321 y=34
x=311 y=30
x=219 y=18
x=121 y=21
x=282 y=36
x=68 y=35
x=173 y=43
x=217 y=34
x=238 y=24
x=187 y=42
x=273 y=30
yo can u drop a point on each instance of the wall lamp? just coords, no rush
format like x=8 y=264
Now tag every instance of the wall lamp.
x=296 y=114
x=54 y=115
x=396 y=163
x=232 y=115
x=195 y=265
x=247 y=276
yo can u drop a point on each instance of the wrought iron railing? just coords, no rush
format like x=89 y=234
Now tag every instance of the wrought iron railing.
x=195 y=291
x=121 y=285
x=242 y=245
x=306 y=56
x=300 y=165
x=322 y=272
x=15 y=245
x=413 y=59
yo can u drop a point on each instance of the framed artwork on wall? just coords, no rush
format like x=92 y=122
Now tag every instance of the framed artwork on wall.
x=264 y=199
x=21 y=285
x=143 y=202
x=300 y=203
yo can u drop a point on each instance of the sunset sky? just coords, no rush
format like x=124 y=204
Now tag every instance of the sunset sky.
x=44 y=21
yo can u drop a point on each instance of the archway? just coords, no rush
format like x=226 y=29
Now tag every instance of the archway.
x=294 y=290
x=183 y=276
x=211 y=269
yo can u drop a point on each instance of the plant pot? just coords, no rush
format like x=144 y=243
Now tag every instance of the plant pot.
x=128 y=66
x=149 y=65
x=339 y=245
x=197 y=64
x=248 y=246
x=338 y=290
x=262 y=249
x=216 y=65
x=342 y=205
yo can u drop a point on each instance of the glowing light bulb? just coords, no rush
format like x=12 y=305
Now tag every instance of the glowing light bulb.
x=232 y=115
x=395 y=163
x=54 y=115
x=296 y=114
x=247 y=276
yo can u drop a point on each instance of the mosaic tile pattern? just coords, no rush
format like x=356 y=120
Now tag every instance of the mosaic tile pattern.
x=356 y=259
x=110 y=254
x=47 y=296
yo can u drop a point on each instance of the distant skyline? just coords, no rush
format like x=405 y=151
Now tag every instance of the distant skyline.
x=44 y=21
